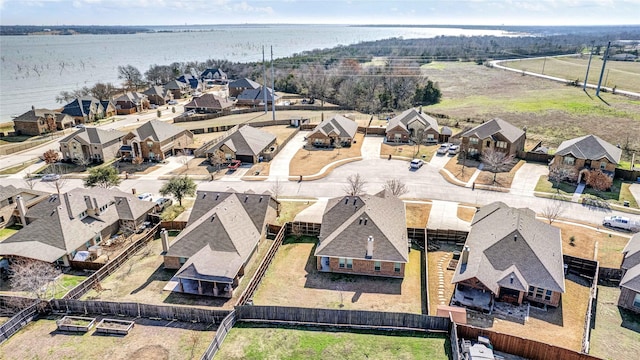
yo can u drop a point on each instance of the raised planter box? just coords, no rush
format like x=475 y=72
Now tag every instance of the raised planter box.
x=75 y=323
x=113 y=326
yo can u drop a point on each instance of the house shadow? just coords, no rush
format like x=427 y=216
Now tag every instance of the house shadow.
x=197 y=300
x=160 y=274
x=630 y=320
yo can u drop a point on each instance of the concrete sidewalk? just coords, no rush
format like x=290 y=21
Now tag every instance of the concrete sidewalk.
x=444 y=215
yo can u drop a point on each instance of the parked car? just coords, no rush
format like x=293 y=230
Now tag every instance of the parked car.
x=145 y=225
x=454 y=149
x=416 y=163
x=621 y=222
x=51 y=177
x=79 y=126
x=145 y=196
x=235 y=164
x=172 y=102
x=443 y=149
x=162 y=203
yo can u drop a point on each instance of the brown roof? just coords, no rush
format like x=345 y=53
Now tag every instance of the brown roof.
x=492 y=127
x=338 y=124
x=408 y=116
x=209 y=101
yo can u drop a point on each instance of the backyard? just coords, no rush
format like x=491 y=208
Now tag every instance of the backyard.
x=310 y=160
x=245 y=341
x=583 y=244
x=292 y=280
x=148 y=339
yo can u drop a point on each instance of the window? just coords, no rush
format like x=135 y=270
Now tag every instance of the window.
x=547 y=295
x=183 y=260
x=473 y=141
x=349 y=263
x=569 y=160
x=603 y=165
x=636 y=301
x=501 y=144
x=531 y=290
x=539 y=292
x=341 y=261
x=397 y=267
x=376 y=266
x=1 y=219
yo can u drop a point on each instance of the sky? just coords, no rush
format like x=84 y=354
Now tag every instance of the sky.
x=424 y=12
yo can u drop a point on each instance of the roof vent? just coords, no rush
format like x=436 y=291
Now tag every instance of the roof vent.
x=346 y=200
x=360 y=221
x=365 y=220
x=246 y=198
x=354 y=201
x=511 y=279
x=213 y=217
x=217 y=196
x=515 y=237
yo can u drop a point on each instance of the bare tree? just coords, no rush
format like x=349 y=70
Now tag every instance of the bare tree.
x=561 y=173
x=37 y=278
x=553 y=210
x=276 y=189
x=396 y=186
x=30 y=181
x=131 y=76
x=497 y=161
x=418 y=137
x=82 y=161
x=216 y=159
x=355 y=185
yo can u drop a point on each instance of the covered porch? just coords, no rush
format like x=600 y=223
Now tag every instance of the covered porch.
x=200 y=287
x=472 y=298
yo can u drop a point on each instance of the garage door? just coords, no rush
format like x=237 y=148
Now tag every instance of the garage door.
x=245 y=158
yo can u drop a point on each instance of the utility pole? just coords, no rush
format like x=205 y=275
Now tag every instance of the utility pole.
x=264 y=82
x=584 y=85
x=273 y=87
x=604 y=63
x=543 y=64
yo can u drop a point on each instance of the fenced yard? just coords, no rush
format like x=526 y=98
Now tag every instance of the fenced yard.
x=292 y=280
x=310 y=160
x=581 y=242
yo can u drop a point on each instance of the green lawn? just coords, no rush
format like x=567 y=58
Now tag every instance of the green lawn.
x=8 y=231
x=618 y=194
x=247 y=342
x=65 y=283
x=16 y=169
x=546 y=186
x=616 y=334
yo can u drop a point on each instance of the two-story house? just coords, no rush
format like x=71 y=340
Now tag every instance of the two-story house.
x=155 y=140
x=91 y=144
x=85 y=110
x=494 y=134
x=411 y=123
x=41 y=121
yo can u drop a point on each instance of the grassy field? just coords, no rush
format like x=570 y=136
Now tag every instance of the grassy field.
x=65 y=283
x=310 y=160
x=8 y=231
x=463 y=171
x=584 y=244
x=618 y=194
x=16 y=169
x=417 y=215
x=409 y=151
x=292 y=280
x=616 y=334
x=246 y=342
x=466 y=213
x=149 y=339
x=546 y=186
x=289 y=210
x=623 y=74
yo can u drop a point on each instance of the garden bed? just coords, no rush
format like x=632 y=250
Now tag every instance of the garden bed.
x=75 y=323
x=113 y=326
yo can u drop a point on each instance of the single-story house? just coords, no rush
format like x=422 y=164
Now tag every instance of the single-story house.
x=585 y=153
x=41 y=121
x=10 y=197
x=92 y=144
x=255 y=97
x=364 y=235
x=221 y=236
x=109 y=108
x=630 y=284
x=179 y=89
x=155 y=140
x=85 y=110
x=209 y=103
x=406 y=126
x=236 y=87
x=131 y=102
x=337 y=129
x=494 y=134
x=509 y=256
x=61 y=225
x=247 y=144
x=158 y=95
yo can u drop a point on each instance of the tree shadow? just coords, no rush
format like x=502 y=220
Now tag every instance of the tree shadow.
x=160 y=274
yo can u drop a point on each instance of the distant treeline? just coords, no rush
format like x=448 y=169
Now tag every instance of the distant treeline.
x=69 y=30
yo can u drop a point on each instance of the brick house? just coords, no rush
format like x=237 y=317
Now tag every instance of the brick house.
x=10 y=196
x=85 y=110
x=209 y=104
x=256 y=97
x=337 y=129
x=109 y=108
x=403 y=127
x=41 y=121
x=509 y=256
x=131 y=102
x=365 y=235
x=155 y=140
x=248 y=145
x=585 y=153
x=630 y=284
x=91 y=143
x=221 y=236
x=494 y=134
x=236 y=87
x=179 y=89
x=213 y=76
x=158 y=95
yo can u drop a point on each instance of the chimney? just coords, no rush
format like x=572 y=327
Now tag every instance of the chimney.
x=90 y=209
x=465 y=256
x=369 y=248
x=164 y=235
x=95 y=206
x=67 y=205
x=22 y=210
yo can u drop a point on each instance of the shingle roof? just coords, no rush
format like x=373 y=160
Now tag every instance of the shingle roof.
x=93 y=135
x=213 y=74
x=247 y=141
x=8 y=191
x=156 y=90
x=590 y=147
x=408 y=116
x=256 y=94
x=492 y=127
x=506 y=241
x=244 y=83
x=348 y=222
x=631 y=279
x=131 y=96
x=80 y=106
x=157 y=130
x=56 y=227
x=209 y=101
x=175 y=85
x=37 y=114
x=341 y=125
x=631 y=252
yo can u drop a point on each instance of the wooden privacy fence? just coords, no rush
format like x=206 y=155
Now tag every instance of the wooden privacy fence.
x=226 y=325
x=582 y=267
x=132 y=309
x=593 y=297
x=20 y=320
x=262 y=268
x=113 y=265
x=609 y=274
x=173 y=225
x=449 y=236
x=304 y=228
x=342 y=318
x=526 y=348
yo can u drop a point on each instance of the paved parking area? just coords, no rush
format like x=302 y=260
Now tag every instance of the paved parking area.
x=526 y=178
x=279 y=168
x=371 y=147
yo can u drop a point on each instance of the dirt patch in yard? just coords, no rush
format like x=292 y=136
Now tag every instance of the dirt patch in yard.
x=438 y=261
x=462 y=170
x=310 y=160
x=417 y=215
x=292 y=280
x=148 y=339
x=584 y=244
x=425 y=152
x=466 y=213
x=502 y=179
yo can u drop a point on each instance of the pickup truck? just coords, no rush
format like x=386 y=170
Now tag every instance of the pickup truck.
x=621 y=223
x=235 y=164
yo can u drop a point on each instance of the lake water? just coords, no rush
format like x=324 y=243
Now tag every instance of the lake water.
x=34 y=69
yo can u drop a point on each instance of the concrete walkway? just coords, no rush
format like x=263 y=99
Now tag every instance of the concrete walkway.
x=474 y=176
x=526 y=178
x=444 y=215
x=279 y=168
x=371 y=147
x=578 y=193
x=635 y=191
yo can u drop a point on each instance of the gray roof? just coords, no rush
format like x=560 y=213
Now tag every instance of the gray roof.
x=492 y=127
x=57 y=228
x=256 y=95
x=507 y=243
x=338 y=124
x=631 y=279
x=37 y=114
x=176 y=85
x=408 y=116
x=247 y=141
x=94 y=135
x=590 y=147
x=157 y=130
x=157 y=90
x=221 y=234
x=631 y=252
x=8 y=191
x=244 y=83
x=213 y=74
x=348 y=222
x=209 y=101
x=133 y=97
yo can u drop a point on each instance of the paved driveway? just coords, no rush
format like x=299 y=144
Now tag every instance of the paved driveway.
x=526 y=178
x=439 y=161
x=279 y=168
x=371 y=147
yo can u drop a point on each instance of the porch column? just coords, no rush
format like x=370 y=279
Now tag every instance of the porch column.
x=199 y=287
x=520 y=297
x=215 y=289
x=180 y=285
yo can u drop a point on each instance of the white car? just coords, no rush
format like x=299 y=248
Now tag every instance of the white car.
x=172 y=102
x=416 y=163
x=145 y=196
x=454 y=149
x=51 y=177
x=443 y=149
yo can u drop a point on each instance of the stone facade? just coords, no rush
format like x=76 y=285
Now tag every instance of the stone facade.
x=474 y=146
x=76 y=149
